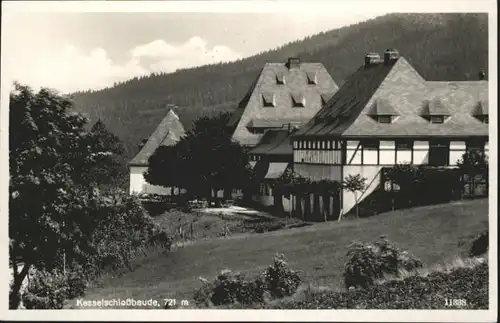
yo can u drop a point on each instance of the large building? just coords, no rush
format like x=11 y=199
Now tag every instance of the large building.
x=283 y=94
x=168 y=133
x=386 y=113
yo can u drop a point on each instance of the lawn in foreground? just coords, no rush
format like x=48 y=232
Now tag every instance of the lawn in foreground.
x=431 y=233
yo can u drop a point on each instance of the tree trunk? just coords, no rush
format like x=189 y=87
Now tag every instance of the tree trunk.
x=278 y=203
x=357 y=206
x=15 y=295
x=227 y=193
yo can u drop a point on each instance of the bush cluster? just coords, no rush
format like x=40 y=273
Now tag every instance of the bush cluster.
x=131 y=229
x=233 y=288
x=49 y=290
x=371 y=261
x=479 y=245
x=433 y=291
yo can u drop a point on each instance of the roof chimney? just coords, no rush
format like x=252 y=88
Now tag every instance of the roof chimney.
x=482 y=75
x=391 y=55
x=293 y=62
x=372 y=58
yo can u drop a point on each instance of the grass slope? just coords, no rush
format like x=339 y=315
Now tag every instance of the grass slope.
x=431 y=233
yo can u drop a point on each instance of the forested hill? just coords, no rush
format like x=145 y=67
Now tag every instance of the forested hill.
x=439 y=46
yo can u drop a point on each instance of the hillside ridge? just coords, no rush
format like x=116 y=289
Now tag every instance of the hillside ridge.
x=440 y=47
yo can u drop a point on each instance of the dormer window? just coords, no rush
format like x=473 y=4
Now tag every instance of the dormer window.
x=280 y=78
x=384 y=119
x=268 y=100
x=480 y=111
x=311 y=78
x=298 y=100
x=437 y=119
x=382 y=111
x=435 y=111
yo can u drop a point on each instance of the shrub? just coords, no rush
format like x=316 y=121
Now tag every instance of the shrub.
x=279 y=280
x=49 y=290
x=130 y=229
x=229 y=287
x=232 y=288
x=414 y=292
x=76 y=283
x=371 y=261
x=479 y=245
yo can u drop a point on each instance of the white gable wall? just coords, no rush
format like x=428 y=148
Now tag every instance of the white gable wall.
x=139 y=185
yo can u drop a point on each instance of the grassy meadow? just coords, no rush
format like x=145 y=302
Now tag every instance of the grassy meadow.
x=431 y=233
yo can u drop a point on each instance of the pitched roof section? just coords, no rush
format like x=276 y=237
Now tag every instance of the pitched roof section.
x=346 y=104
x=296 y=81
x=236 y=116
x=275 y=170
x=168 y=133
x=269 y=170
x=270 y=140
x=325 y=97
x=274 y=123
x=348 y=113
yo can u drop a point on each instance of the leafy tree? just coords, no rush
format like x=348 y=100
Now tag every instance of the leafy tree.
x=110 y=166
x=354 y=184
x=203 y=160
x=473 y=164
x=164 y=168
x=49 y=150
x=406 y=177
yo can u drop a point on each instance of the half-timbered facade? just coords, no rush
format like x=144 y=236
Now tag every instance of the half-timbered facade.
x=386 y=114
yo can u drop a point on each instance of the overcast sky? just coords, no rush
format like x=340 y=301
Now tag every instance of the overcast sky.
x=72 y=51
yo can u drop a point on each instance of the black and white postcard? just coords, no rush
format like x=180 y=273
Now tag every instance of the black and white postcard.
x=237 y=160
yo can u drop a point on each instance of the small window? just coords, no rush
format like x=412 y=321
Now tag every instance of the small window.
x=404 y=144
x=268 y=99
x=298 y=101
x=370 y=144
x=485 y=119
x=311 y=78
x=280 y=78
x=437 y=119
x=384 y=119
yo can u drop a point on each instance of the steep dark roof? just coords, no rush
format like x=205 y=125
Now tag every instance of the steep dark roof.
x=236 y=116
x=274 y=123
x=346 y=104
x=284 y=148
x=269 y=170
x=349 y=112
x=270 y=140
x=168 y=133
